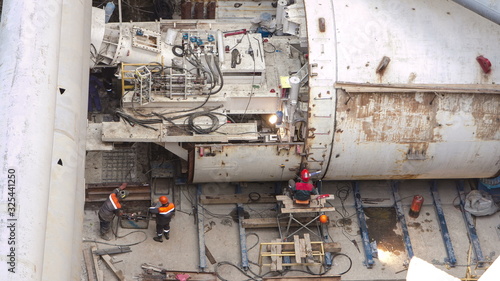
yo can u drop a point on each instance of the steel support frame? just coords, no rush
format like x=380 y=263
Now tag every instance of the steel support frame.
x=243 y=237
x=451 y=259
x=369 y=262
x=291 y=219
x=201 y=229
x=469 y=224
x=401 y=218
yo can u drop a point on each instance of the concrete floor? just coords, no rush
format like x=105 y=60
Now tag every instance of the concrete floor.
x=180 y=253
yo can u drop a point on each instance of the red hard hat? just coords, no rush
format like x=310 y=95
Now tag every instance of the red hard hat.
x=163 y=199
x=304 y=175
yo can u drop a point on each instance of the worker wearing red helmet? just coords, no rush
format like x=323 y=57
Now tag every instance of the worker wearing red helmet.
x=110 y=208
x=164 y=211
x=303 y=189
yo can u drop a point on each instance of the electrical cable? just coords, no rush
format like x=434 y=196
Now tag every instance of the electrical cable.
x=122 y=236
x=274 y=48
x=164 y=9
x=251 y=93
x=138 y=9
x=197 y=128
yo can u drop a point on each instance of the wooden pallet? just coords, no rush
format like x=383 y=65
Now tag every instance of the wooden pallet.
x=304 y=252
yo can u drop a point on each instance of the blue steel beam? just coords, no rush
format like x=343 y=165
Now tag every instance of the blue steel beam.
x=243 y=237
x=326 y=239
x=451 y=260
x=363 y=227
x=469 y=224
x=401 y=218
x=201 y=230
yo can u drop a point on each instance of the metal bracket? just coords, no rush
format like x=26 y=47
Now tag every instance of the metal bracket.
x=401 y=218
x=369 y=262
x=469 y=224
x=451 y=260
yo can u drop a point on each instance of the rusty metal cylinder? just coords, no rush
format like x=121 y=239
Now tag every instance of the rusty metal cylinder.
x=211 y=6
x=199 y=10
x=416 y=205
x=186 y=7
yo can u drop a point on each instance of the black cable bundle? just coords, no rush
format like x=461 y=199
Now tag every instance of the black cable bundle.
x=164 y=9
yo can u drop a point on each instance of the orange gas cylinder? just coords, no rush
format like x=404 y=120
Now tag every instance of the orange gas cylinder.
x=416 y=205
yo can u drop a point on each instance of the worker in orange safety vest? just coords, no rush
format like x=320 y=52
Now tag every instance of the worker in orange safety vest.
x=164 y=211
x=110 y=208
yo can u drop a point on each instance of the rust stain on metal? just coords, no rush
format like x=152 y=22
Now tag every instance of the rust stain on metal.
x=322 y=24
x=389 y=117
x=486 y=112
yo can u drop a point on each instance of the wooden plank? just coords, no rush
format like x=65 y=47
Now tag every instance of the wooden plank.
x=296 y=241
x=332 y=247
x=99 y=274
x=209 y=255
x=117 y=272
x=307 y=241
x=307 y=210
x=274 y=259
x=236 y=198
x=271 y=222
x=112 y=251
x=89 y=264
x=290 y=207
x=279 y=260
x=302 y=249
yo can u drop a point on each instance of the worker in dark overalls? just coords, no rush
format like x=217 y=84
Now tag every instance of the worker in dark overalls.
x=109 y=209
x=164 y=211
x=94 y=99
x=302 y=190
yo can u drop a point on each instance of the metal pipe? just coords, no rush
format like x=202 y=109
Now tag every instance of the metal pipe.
x=280 y=15
x=65 y=207
x=29 y=40
x=481 y=9
x=120 y=14
x=293 y=98
x=220 y=45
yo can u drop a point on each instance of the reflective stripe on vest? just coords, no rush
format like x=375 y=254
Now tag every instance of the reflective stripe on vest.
x=166 y=209
x=114 y=201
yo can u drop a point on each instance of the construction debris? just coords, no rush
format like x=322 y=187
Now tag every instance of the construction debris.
x=117 y=272
x=112 y=251
x=153 y=273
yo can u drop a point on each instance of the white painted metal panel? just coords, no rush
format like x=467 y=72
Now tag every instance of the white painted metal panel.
x=65 y=210
x=237 y=163
x=381 y=136
x=29 y=61
x=389 y=135
x=428 y=42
